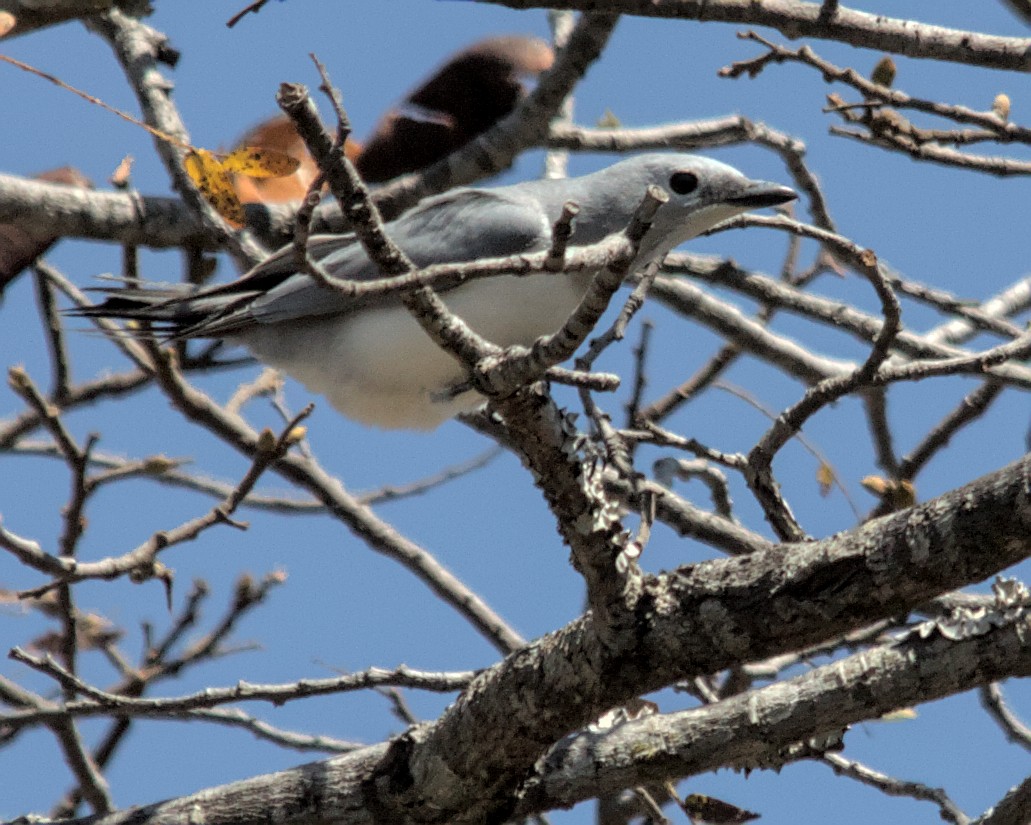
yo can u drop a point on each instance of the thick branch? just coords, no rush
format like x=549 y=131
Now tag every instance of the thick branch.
x=796 y=19
x=695 y=621
x=765 y=727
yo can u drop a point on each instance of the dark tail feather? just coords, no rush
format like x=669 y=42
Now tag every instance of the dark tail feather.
x=169 y=310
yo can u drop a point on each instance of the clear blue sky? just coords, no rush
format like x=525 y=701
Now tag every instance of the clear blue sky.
x=344 y=608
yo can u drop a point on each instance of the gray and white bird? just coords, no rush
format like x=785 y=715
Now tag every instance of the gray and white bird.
x=371 y=358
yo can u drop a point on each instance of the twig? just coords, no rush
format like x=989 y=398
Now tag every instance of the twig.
x=141 y=562
x=972 y=407
x=55 y=337
x=103 y=703
x=994 y=702
x=948 y=809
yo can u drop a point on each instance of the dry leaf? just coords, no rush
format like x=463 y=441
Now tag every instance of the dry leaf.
x=702 y=808
x=120 y=177
x=883 y=73
x=897 y=494
x=825 y=478
x=215 y=184
x=260 y=162
x=876 y=485
x=1001 y=106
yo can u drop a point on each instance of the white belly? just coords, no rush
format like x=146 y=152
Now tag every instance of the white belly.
x=379 y=367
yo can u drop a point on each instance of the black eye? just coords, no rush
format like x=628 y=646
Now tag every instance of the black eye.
x=683 y=183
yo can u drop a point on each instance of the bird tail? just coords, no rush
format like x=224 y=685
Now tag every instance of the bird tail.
x=169 y=310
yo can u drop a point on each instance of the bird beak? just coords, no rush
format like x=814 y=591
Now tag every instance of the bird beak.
x=760 y=193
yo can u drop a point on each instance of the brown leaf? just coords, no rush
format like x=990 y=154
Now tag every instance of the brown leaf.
x=468 y=94
x=710 y=809
x=883 y=73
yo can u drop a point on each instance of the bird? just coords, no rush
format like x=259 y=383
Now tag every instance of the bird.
x=470 y=92
x=368 y=356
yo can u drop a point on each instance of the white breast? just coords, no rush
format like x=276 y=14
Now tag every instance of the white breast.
x=380 y=368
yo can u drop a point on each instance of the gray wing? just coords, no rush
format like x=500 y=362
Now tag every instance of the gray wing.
x=459 y=226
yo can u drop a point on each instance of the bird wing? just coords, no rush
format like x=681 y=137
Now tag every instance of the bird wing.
x=458 y=226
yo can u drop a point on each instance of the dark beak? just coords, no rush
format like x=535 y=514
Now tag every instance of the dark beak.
x=761 y=193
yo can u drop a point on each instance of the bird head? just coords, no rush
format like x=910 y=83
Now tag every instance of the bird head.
x=702 y=193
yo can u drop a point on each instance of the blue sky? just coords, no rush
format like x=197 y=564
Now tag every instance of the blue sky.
x=343 y=607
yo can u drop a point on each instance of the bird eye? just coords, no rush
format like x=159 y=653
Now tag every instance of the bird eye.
x=683 y=183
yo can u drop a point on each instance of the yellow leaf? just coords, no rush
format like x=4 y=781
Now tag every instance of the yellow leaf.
x=258 y=162
x=215 y=184
x=825 y=478
x=608 y=120
x=296 y=434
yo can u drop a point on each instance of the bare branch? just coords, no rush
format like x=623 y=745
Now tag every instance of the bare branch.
x=794 y=18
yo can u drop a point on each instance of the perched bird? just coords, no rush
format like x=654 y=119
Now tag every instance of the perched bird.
x=473 y=90
x=370 y=357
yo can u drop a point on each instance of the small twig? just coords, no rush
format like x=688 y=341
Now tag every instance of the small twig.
x=251 y=8
x=640 y=354
x=875 y=404
x=234 y=717
x=141 y=562
x=666 y=469
x=655 y=434
x=1004 y=130
x=102 y=703
x=19 y=381
x=55 y=336
x=972 y=407
x=663 y=407
x=994 y=702
x=948 y=809
x=394 y=492
x=561 y=232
